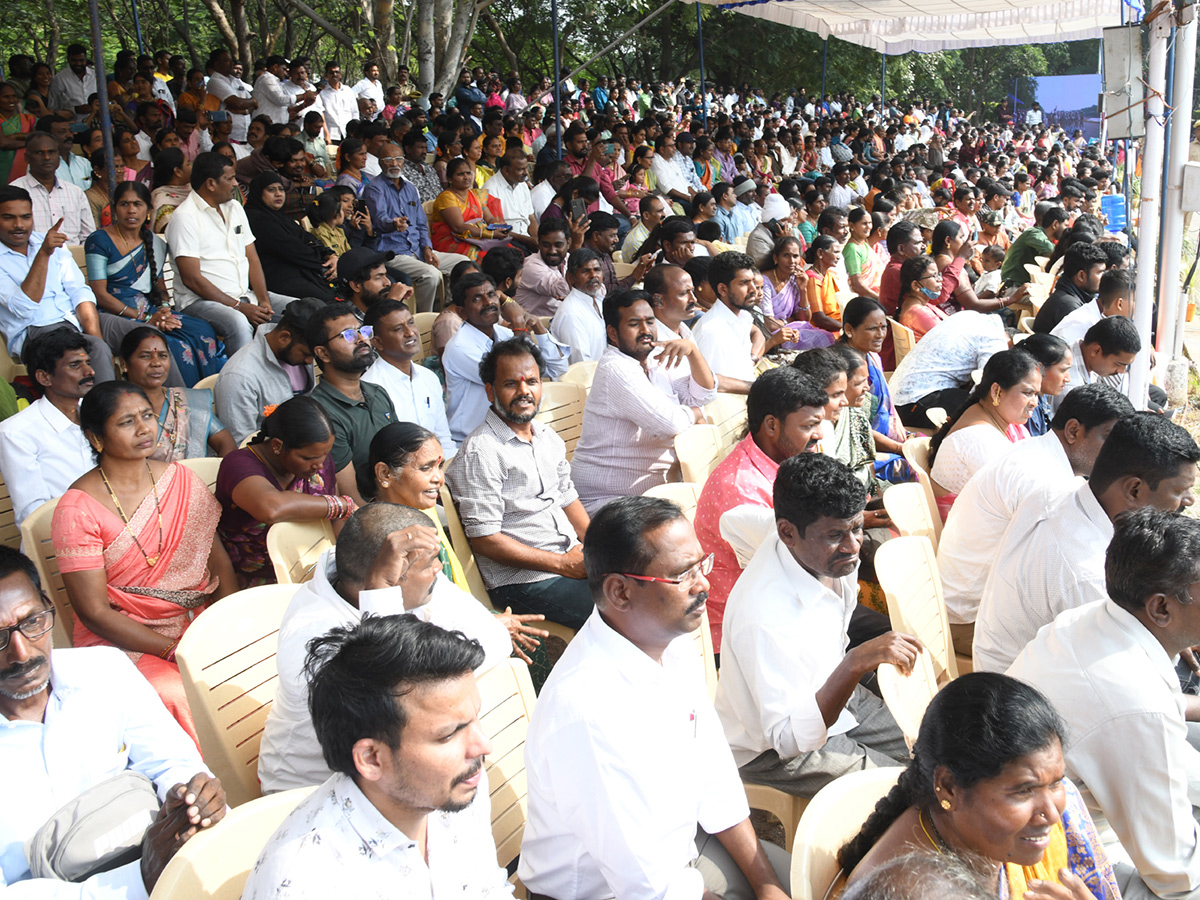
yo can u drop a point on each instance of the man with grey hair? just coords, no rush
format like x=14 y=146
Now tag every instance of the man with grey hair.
x=579 y=321
x=386 y=562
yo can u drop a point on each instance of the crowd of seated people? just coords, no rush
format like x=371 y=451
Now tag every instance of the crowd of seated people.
x=389 y=296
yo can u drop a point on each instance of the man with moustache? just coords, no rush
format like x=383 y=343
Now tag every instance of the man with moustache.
x=476 y=296
x=789 y=698
x=544 y=278
x=356 y=409
x=510 y=185
x=603 y=236
x=406 y=812
x=401 y=227
x=518 y=506
x=58 y=703
x=364 y=280
x=42 y=448
x=632 y=791
x=579 y=322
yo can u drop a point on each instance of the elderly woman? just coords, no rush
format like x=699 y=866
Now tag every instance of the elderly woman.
x=136 y=541
x=988 y=785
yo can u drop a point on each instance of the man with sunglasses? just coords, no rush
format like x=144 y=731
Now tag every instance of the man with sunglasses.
x=632 y=789
x=356 y=409
x=72 y=719
x=789 y=697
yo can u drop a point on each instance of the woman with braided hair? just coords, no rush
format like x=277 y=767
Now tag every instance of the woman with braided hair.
x=124 y=269
x=987 y=784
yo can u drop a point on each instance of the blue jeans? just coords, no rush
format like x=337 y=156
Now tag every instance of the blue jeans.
x=567 y=601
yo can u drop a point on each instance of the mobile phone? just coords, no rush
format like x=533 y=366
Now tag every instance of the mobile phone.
x=578 y=208
x=219 y=115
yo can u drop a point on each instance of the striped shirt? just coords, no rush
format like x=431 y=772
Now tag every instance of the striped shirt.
x=65 y=201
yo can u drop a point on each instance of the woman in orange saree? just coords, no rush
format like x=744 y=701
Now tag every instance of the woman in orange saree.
x=136 y=543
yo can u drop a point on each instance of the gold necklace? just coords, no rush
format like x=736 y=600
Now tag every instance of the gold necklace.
x=940 y=842
x=150 y=560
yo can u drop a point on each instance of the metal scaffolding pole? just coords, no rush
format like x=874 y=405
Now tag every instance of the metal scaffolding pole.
x=558 y=128
x=102 y=92
x=824 y=68
x=137 y=26
x=703 y=91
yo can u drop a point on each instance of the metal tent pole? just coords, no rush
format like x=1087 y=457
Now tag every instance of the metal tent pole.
x=137 y=26
x=824 y=68
x=558 y=112
x=883 y=81
x=703 y=91
x=102 y=92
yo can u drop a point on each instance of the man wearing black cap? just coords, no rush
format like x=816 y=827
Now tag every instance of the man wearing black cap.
x=275 y=366
x=364 y=280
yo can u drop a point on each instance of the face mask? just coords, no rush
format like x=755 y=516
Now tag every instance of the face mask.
x=930 y=293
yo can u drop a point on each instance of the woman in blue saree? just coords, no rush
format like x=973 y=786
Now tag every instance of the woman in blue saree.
x=124 y=269
x=864 y=327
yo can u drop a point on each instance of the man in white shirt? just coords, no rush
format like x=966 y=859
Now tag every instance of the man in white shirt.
x=302 y=94
x=1115 y=298
x=216 y=264
x=606 y=817
x=1108 y=668
x=234 y=94
x=476 y=296
x=667 y=176
x=53 y=198
x=637 y=404
x=510 y=185
x=407 y=811
x=415 y=391
x=273 y=100
x=1046 y=467
x=1105 y=353
x=579 y=321
x=71 y=87
x=652 y=211
x=56 y=702
x=557 y=174
x=369 y=89
x=385 y=563
x=726 y=334
x=42 y=449
x=789 y=697
x=339 y=101
x=1052 y=560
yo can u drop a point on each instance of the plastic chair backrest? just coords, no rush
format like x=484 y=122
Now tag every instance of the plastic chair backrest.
x=916 y=454
x=699 y=451
x=728 y=414
x=215 y=863
x=623 y=269
x=295 y=548
x=227 y=662
x=462 y=549
x=937 y=416
x=507 y=702
x=832 y=817
x=206 y=467
x=903 y=339
x=684 y=494
x=425 y=322
x=1026 y=324
x=208 y=381
x=909 y=509
x=10 y=534
x=907 y=696
x=581 y=373
x=80 y=256
x=908 y=574
x=562 y=410
x=36 y=544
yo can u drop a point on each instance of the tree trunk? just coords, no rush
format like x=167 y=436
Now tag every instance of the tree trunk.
x=224 y=28
x=406 y=50
x=514 y=64
x=328 y=27
x=426 y=51
x=241 y=27
x=385 y=39
x=55 y=34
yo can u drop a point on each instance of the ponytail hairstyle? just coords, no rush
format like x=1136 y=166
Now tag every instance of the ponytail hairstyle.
x=393 y=445
x=974 y=727
x=124 y=187
x=1005 y=369
x=164 y=166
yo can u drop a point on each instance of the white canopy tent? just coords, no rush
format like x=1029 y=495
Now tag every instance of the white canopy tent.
x=901 y=26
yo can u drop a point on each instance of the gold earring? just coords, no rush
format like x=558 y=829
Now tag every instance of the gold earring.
x=384 y=484
x=995 y=401
x=945 y=804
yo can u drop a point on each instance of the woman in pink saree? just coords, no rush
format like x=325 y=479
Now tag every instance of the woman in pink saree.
x=136 y=543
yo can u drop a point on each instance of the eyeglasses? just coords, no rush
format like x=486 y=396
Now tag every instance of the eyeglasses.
x=701 y=568
x=31 y=626
x=390 y=160
x=350 y=335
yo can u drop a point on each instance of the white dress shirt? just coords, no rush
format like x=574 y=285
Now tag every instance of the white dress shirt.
x=947 y=355
x=625 y=758
x=416 y=398
x=294 y=91
x=667 y=175
x=225 y=86
x=372 y=90
x=841 y=196
x=1074 y=325
x=101 y=719
x=516 y=201
x=579 y=324
x=218 y=238
x=64 y=201
x=1036 y=467
x=724 y=339
x=540 y=195
x=42 y=453
x=468 y=400
x=69 y=90
x=627 y=443
x=290 y=755
x=1127 y=741
x=272 y=99
x=1079 y=375
x=784 y=634
x=337 y=843
x=1050 y=560
x=341 y=106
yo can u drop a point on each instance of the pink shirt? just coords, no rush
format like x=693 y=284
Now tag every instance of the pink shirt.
x=745 y=476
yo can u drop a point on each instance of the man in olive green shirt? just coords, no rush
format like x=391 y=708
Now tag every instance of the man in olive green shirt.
x=1032 y=243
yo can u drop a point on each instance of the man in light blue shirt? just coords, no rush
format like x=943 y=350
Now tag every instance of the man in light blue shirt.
x=41 y=286
x=72 y=167
x=72 y=719
x=401 y=226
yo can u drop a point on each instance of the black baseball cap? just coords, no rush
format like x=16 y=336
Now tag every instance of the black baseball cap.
x=354 y=261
